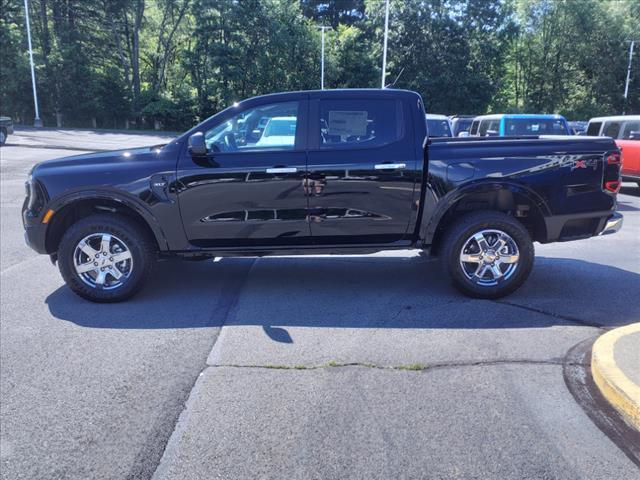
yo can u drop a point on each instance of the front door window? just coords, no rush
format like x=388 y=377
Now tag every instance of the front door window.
x=265 y=128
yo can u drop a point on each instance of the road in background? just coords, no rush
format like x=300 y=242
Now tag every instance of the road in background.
x=91 y=140
x=334 y=367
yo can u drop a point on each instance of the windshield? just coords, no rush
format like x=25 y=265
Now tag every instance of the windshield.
x=535 y=126
x=438 y=128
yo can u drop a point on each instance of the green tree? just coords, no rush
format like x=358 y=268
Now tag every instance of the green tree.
x=349 y=59
x=450 y=50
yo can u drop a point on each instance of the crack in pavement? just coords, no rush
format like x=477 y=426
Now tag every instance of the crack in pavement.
x=409 y=367
x=579 y=321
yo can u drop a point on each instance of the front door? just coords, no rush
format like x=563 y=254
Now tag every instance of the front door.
x=361 y=170
x=248 y=190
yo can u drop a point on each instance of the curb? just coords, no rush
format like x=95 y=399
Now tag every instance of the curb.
x=614 y=385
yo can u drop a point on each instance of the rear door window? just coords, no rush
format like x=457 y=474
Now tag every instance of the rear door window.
x=594 y=129
x=360 y=123
x=489 y=127
x=484 y=126
x=494 y=127
x=630 y=127
x=611 y=129
x=438 y=128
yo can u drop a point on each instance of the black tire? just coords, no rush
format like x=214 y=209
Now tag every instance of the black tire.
x=121 y=231
x=459 y=236
x=3 y=136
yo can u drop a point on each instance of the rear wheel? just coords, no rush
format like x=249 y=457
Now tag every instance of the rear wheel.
x=487 y=254
x=105 y=258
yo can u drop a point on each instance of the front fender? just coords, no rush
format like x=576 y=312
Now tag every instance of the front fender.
x=126 y=200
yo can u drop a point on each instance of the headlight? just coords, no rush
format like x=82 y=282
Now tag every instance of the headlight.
x=35 y=197
x=29 y=192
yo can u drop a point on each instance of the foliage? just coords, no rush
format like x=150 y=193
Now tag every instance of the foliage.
x=172 y=63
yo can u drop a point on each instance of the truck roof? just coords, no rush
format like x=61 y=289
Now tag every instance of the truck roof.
x=338 y=92
x=616 y=118
x=436 y=116
x=495 y=116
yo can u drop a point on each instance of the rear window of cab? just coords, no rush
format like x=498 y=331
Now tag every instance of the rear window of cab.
x=535 y=126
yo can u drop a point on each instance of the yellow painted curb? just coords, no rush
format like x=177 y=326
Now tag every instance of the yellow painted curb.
x=616 y=387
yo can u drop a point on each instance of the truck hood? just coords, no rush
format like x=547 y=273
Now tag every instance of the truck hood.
x=101 y=159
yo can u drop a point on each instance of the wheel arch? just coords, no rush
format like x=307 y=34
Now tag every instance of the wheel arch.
x=516 y=200
x=78 y=205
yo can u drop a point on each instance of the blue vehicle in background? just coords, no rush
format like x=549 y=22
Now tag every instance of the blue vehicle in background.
x=510 y=125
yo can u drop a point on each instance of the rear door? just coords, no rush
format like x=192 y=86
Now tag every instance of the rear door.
x=362 y=168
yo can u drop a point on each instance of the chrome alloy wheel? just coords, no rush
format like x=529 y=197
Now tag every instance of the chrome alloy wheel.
x=489 y=257
x=102 y=261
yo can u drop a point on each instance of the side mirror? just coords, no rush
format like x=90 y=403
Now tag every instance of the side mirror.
x=492 y=133
x=197 y=145
x=464 y=134
x=634 y=135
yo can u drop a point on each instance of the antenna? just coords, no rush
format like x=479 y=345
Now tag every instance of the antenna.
x=393 y=84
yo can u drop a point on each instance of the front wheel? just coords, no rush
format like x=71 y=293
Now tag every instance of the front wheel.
x=487 y=254
x=3 y=136
x=105 y=258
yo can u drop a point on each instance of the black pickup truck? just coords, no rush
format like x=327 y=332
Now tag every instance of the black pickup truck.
x=333 y=171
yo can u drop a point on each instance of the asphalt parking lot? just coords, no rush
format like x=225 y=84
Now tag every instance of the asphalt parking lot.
x=309 y=367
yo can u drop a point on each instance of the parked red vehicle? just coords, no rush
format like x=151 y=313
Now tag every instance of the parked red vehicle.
x=630 y=159
x=625 y=130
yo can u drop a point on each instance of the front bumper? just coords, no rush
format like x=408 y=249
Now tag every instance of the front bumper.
x=614 y=223
x=35 y=237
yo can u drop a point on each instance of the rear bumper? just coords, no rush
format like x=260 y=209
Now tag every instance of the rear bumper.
x=562 y=228
x=614 y=223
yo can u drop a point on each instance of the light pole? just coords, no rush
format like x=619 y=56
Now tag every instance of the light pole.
x=322 y=29
x=37 y=122
x=626 y=85
x=384 y=49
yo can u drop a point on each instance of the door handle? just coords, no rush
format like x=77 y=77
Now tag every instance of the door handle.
x=282 y=170
x=390 y=166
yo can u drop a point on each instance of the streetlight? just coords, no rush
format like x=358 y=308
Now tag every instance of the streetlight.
x=322 y=28
x=386 y=34
x=37 y=122
x=626 y=85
